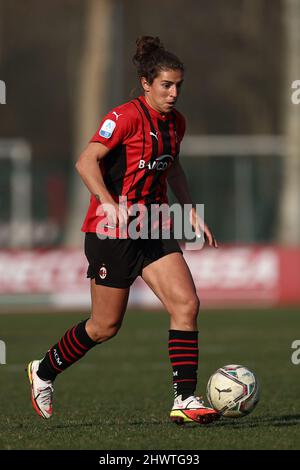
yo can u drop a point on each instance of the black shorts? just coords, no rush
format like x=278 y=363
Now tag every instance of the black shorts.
x=117 y=262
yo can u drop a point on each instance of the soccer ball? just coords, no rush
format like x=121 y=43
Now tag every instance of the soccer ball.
x=233 y=391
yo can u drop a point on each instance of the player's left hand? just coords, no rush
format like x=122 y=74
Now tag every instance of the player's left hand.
x=201 y=228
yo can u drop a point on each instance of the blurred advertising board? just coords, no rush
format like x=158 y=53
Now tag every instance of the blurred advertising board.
x=226 y=277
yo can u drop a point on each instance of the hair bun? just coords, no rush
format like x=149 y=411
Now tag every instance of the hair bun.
x=147 y=45
x=151 y=57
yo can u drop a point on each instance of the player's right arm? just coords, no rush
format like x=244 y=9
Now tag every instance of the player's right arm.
x=115 y=128
x=89 y=170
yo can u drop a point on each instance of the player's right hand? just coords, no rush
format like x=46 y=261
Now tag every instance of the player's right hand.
x=116 y=214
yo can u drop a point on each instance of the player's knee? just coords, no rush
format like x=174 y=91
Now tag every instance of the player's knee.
x=104 y=332
x=186 y=312
x=195 y=305
x=108 y=332
x=191 y=307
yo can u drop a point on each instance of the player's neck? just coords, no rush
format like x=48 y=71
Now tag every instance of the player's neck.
x=153 y=106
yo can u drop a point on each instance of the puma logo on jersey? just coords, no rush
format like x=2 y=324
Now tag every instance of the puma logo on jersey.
x=154 y=135
x=117 y=115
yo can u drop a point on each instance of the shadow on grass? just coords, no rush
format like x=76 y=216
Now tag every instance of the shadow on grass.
x=255 y=422
x=108 y=424
x=259 y=421
x=242 y=423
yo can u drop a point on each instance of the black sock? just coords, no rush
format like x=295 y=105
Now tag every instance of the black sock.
x=72 y=346
x=183 y=353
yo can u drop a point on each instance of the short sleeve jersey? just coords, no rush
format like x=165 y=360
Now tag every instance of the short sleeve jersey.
x=143 y=145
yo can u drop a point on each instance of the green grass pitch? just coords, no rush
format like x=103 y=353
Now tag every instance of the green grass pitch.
x=119 y=396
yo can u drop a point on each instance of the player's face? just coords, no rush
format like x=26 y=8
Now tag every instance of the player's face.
x=162 y=94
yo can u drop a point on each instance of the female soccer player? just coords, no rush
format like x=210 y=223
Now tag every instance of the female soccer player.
x=133 y=154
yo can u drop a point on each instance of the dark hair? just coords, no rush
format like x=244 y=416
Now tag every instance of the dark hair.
x=151 y=57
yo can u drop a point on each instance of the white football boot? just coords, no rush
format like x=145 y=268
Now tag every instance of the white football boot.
x=41 y=391
x=192 y=410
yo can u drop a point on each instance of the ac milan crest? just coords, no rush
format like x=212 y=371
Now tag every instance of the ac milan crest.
x=103 y=272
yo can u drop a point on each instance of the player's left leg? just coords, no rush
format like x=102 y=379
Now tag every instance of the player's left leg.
x=170 y=279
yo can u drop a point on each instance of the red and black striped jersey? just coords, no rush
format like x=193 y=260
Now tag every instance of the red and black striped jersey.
x=143 y=145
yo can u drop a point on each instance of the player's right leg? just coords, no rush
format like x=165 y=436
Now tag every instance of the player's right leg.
x=113 y=266
x=108 y=309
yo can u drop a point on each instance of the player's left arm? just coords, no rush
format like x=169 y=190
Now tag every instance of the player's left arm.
x=179 y=185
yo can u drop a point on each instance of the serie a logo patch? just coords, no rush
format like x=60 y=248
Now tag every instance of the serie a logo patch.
x=107 y=128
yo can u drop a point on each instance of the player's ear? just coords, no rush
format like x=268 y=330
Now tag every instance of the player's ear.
x=145 y=84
